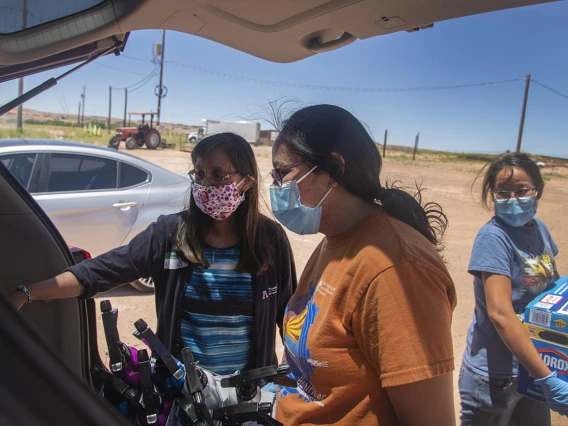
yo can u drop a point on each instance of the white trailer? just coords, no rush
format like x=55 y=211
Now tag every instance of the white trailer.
x=249 y=130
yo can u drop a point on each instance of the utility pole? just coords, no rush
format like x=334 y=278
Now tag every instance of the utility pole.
x=83 y=101
x=415 y=146
x=125 y=103
x=160 y=87
x=523 y=112
x=109 y=107
x=19 y=120
x=385 y=143
x=79 y=115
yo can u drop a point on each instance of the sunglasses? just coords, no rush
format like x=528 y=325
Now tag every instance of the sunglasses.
x=278 y=174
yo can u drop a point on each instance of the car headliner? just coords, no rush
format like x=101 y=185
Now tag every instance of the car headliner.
x=283 y=31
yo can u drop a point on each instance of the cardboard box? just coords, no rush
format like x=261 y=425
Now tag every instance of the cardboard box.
x=546 y=320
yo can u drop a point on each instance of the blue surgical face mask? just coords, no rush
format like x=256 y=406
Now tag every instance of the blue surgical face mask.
x=289 y=210
x=516 y=211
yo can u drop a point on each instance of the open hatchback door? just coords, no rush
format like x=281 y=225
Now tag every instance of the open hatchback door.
x=36 y=36
x=47 y=348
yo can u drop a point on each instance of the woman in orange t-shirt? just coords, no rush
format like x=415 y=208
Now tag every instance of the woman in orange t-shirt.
x=368 y=331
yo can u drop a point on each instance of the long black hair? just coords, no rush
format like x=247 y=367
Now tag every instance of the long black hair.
x=508 y=161
x=314 y=133
x=194 y=225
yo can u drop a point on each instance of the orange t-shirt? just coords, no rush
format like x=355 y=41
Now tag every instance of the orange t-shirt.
x=373 y=309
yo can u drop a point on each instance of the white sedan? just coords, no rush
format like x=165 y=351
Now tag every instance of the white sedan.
x=98 y=198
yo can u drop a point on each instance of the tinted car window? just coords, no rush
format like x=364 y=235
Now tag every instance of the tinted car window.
x=20 y=165
x=38 y=12
x=130 y=175
x=70 y=172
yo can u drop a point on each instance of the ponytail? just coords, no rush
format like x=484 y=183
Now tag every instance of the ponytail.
x=429 y=219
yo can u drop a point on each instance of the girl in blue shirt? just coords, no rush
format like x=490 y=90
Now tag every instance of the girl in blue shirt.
x=512 y=262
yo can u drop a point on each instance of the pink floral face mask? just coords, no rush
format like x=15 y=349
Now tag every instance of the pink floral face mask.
x=219 y=202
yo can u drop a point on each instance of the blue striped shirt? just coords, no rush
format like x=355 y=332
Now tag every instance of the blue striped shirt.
x=217 y=313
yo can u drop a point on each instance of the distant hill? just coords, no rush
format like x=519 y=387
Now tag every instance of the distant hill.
x=39 y=117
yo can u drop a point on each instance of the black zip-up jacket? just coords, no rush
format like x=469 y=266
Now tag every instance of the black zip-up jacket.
x=152 y=254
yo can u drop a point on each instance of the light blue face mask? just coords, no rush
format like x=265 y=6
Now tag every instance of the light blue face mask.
x=289 y=210
x=516 y=211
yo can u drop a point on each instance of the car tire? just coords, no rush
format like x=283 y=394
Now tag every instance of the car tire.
x=114 y=142
x=144 y=285
x=152 y=139
x=131 y=143
x=193 y=140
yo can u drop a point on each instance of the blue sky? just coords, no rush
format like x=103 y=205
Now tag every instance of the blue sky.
x=490 y=47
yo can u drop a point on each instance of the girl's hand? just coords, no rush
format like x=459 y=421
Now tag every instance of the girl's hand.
x=555 y=392
x=17 y=299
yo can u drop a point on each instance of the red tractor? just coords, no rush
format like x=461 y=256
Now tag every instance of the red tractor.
x=134 y=137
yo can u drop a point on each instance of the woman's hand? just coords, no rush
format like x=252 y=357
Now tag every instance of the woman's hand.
x=17 y=299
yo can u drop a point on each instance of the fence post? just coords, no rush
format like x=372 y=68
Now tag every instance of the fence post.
x=415 y=146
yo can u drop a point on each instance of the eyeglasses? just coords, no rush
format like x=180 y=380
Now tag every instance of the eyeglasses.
x=278 y=174
x=217 y=177
x=518 y=193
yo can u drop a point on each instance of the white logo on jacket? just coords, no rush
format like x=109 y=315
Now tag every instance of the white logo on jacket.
x=172 y=261
x=270 y=292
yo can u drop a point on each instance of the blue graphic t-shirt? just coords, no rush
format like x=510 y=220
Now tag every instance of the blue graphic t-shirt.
x=217 y=313
x=526 y=255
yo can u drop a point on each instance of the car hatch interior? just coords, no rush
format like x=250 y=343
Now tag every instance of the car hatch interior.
x=38 y=386
x=70 y=31
x=32 y=250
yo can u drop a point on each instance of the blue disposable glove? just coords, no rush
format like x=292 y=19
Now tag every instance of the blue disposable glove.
x=555 y=392
x=270 y=387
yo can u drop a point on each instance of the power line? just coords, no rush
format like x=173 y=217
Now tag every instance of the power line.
x=64 y=101
x=135 y=59
x=61 y=99
x=143 y=82
x=146 y=80
x=550 y=89
x=118 y=69
x=131 y=88
x=341 y=88
x=140 y=83
x=350 y=89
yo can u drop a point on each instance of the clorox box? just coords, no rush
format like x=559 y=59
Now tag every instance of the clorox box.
x=546 y=319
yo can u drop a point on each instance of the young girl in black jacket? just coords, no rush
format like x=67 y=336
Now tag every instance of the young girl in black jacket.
x=223 y=272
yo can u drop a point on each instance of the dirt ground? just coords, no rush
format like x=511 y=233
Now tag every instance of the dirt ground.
x=448 y=184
